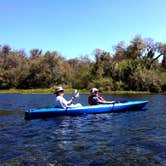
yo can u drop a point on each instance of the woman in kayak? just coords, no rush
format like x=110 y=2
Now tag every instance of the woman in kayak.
x=61 y=102
x=95 y=98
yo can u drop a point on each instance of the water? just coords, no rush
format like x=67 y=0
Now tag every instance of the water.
x=129 y=139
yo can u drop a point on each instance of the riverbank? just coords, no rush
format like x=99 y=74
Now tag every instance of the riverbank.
x=51 y=91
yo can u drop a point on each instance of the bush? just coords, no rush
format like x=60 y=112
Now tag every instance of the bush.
x=145 y=80
x=103 y=84
x=119 y=85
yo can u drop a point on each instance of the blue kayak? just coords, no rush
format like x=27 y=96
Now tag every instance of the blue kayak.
x=96 y=109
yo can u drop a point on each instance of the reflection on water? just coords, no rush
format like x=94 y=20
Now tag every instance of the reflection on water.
x=130 y=138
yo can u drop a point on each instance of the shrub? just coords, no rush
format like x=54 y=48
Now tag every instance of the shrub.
x=145 y=80
x=103 y=84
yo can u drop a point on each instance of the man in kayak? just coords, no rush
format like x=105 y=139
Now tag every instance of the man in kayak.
x=61 y=102
x=95 y=98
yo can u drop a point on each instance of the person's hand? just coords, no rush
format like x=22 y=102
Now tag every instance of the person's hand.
x=75 y=94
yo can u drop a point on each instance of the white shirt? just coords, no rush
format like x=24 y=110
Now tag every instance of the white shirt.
x=61 y=102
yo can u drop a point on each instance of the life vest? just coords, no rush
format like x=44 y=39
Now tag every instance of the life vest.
x=90 y=101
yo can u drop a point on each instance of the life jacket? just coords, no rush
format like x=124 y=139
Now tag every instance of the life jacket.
x=90 y=101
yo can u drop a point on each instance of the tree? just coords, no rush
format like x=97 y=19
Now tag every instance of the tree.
x=35 y=53
x=102 y=63
x=13 y=70
x=120 y=51
x=145 y=80
x=136 y=49
x=154 y=52
x=133 y=67
x=162 y=52
x=80 y=72
x=163 y=64
x=4 y=53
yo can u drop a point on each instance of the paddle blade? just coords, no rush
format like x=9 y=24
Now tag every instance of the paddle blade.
x=76 y=93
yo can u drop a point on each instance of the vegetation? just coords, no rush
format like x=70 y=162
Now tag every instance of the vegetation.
x=135 y=67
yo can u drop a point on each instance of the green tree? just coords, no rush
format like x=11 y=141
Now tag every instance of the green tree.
x=153 y=53
x=162 y=52
x=120 y=51
x=101 y=67
x=35 y=53
x=145 y=80
x=81 y=72
x=136 y=49
x=13 y=68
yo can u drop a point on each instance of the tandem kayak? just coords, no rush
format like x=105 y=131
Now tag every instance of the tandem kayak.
x=96 y=109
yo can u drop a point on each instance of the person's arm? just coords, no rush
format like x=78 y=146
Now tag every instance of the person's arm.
x=70 y=101
x=64 y=103
x=102 y=101
x=75 y=95
x=109 y=102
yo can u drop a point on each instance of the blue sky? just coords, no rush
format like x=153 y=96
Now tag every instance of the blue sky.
x=77 y=27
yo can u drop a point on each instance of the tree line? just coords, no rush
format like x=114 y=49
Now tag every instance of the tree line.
x=138 y=66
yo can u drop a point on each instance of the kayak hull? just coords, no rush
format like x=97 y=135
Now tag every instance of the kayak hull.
x=96 y=109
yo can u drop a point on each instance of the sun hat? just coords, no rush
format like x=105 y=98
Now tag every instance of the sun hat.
x=58 y=89
x=94 y=90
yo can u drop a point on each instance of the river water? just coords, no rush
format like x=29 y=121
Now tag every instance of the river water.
x=114 y=139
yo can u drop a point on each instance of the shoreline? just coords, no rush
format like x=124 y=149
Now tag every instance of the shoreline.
x=69 y=91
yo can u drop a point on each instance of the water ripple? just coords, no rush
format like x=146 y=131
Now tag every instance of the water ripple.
x=130 y=138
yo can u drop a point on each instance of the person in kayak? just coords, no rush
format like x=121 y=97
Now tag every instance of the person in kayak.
x=61 y=102
x=95 y=98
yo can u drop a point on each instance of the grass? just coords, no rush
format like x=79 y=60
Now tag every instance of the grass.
x=27 y=91
x=69 y=90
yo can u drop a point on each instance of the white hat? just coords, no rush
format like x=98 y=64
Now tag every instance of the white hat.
x=58 y=89
x=94 y=90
